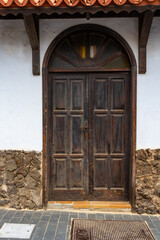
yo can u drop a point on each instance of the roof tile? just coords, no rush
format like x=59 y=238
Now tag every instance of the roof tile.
x=72 y=3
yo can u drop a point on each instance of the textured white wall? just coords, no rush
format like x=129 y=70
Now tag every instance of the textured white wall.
x=21 y=92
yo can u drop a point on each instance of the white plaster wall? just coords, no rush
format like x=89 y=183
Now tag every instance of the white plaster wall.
x=21 y=92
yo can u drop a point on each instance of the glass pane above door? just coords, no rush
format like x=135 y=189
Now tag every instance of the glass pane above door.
x=89 y=50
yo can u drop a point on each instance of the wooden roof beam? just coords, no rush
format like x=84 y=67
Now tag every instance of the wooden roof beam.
x=145 y=22
x=31 y=23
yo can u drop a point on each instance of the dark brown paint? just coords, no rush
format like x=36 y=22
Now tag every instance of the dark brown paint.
x=145 y=23
x=31 y=23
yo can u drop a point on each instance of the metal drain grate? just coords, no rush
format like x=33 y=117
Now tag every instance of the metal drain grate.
x=82 y=229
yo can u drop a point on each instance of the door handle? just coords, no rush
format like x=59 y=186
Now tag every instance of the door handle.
x=85 y=127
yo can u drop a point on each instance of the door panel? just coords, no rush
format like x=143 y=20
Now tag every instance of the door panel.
x=109 y=122
x=60 y=95
x=101 y=94
x=100 y=174
x=101 y=133
x=77 y=173
x=76 y=134
x=117 y=133
x=76 y=94
x=117 y=172
x=60 y=144
x=90 y=119
x=117 y=94
x=61 y=172
x=68 y=168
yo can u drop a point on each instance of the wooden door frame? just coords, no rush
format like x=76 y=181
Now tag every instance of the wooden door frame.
x=47 y=113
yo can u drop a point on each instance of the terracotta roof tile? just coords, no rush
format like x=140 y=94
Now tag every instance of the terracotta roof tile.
x=72 y=3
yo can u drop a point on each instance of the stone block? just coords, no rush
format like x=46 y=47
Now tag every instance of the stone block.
x=148 y=181
x=34 y=173
x=11 y=165
x=157 y=189
x=31 y=182
x=9 y=176
x=19 y=181
x=1 y=180
x=22 y=170
x=36 y=197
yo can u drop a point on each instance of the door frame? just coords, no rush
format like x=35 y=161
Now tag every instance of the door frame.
x=47 y=113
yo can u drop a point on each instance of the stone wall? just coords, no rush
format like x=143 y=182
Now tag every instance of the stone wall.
x=20 y=179
x=148 y=181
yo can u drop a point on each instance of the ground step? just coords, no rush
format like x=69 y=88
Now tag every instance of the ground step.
x=90 y=205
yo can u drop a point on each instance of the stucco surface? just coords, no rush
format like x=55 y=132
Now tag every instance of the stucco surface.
x=21 y=92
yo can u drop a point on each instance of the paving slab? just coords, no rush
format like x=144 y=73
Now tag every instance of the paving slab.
x=55 y=224
x=16 y=231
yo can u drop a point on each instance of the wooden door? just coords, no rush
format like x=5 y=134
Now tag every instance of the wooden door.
x=109 y=148
x=69 y=150
x=90 y=151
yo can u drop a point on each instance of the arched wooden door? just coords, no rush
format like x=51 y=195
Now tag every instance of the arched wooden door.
x=89 y=145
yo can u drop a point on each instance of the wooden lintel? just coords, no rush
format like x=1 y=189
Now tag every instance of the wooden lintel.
x=32 y=27
x=145 y=22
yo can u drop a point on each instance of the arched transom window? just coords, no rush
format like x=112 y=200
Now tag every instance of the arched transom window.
x=89 y=50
